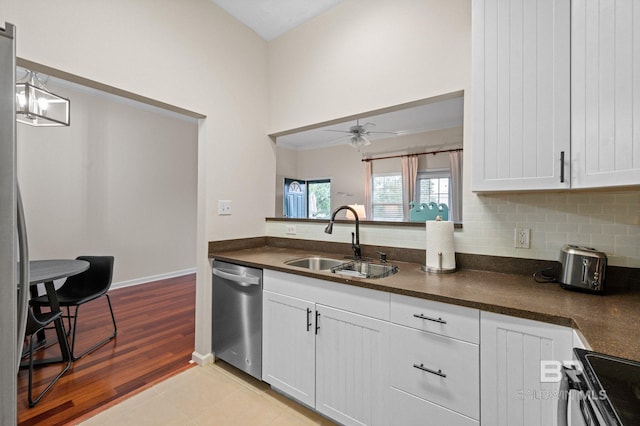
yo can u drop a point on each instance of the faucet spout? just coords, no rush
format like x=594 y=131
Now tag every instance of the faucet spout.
x=355 y=245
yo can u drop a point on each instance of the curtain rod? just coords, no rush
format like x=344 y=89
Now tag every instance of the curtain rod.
x=409 y=155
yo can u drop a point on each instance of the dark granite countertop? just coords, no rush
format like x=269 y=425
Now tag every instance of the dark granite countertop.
x=610 y=323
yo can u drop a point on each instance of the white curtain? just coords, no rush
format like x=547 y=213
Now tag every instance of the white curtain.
x=367 y=189
x=409 y=176
x=455 y=209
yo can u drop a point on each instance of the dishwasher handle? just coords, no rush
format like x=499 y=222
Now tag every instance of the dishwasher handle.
x=242 y=280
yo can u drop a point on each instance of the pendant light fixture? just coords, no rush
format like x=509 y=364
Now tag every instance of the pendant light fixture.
x=37 y=106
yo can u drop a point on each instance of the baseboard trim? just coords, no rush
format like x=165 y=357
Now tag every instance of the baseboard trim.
x=151 y=278
x=201 y=359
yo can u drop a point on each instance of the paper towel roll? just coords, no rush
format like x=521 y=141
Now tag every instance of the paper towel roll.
x=440 y=240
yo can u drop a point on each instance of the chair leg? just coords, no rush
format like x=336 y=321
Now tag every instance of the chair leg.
x=68 y=316
x=100 y=343
x=64 y=349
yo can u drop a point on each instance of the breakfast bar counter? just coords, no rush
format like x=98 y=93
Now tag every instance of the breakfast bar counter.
x=610 y=323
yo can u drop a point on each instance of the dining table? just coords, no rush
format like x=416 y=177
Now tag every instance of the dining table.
x=46 y=272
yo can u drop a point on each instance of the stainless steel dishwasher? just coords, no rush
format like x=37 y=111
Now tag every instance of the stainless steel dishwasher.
x=237 y=316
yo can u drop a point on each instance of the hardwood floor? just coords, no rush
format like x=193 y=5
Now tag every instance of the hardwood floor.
x=156 y=324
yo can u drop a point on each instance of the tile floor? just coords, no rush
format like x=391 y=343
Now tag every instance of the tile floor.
x=210 y=395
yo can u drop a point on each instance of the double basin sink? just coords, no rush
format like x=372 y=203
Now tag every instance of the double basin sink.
x=354 y=268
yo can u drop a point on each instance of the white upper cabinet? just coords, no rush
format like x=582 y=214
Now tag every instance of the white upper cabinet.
x=521 y=94
x=605 y=93
x=556 y=89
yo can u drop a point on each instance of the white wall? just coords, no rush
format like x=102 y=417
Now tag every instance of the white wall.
x=192 y=55
x=189 y=54
x=369 y=54
x=120 y=181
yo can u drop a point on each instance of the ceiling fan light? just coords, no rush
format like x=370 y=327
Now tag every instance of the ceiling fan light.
x=358 y=141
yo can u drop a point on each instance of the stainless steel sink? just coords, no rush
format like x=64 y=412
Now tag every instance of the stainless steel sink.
x=358 y=268
x=315 y=262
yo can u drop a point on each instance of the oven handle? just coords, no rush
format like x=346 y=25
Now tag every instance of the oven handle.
x=563 y=399
x=571 y=380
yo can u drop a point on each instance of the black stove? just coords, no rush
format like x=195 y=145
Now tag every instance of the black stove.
x=612 y=386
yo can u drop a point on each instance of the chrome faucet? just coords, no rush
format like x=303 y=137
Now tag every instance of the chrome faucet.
x=355 y=239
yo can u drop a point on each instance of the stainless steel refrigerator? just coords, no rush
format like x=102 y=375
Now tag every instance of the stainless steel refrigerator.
x=14 y=262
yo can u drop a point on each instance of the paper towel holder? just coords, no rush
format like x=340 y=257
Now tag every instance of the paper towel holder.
x=439 y=269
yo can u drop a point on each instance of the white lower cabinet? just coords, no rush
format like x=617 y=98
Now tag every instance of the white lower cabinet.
x=438 y=369
x=366 y=357
x=352 y=374
x=513 y=352
x=435 y=377
x=330 y=359
x=288 y=346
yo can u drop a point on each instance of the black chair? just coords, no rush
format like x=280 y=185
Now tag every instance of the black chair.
x=82 y=288
x=37 y=322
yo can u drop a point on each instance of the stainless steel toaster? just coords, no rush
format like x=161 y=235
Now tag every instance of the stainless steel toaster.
x=582 y=268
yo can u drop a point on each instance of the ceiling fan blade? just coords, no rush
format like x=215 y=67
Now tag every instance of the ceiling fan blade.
x=383 y=133
x=341 y=131
x=332 y=141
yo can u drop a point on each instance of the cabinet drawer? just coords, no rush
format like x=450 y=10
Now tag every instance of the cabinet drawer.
x=436 y=368
x=364 y=301
x=408 y=410
x=441 y=318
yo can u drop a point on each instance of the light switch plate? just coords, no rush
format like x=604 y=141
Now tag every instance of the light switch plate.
x=224 y=207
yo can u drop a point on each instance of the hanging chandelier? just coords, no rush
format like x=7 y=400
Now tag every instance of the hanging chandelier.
x=37 y=106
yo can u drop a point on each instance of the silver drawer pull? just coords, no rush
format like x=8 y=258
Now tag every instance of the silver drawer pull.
x=423 y=368
x=440 y=320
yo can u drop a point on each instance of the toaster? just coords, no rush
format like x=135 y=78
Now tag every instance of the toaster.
x=582 y=268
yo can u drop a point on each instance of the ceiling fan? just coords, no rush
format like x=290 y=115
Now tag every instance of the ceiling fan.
x=357 y=134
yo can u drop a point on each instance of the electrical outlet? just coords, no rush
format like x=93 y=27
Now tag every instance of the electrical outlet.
x=521 y=238
x=224 y=207
x=291 y=230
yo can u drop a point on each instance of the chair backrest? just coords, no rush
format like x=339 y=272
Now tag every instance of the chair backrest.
x=95 y=281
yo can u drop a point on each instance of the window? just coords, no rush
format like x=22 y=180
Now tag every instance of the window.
x=434 y=187
x=319 y=199
x=386 y=197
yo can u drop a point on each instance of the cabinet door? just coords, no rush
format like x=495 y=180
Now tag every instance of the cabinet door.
x=605 y=95
x=511 y=351
x=288 y=346
x=521 y=97
x=352 y=378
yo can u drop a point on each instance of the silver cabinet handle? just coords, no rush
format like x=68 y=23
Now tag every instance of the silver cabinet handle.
x=243 y=280
x=439 y=320
x=423 y=368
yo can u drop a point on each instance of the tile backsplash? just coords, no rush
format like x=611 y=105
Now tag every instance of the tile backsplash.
x=607 y=221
